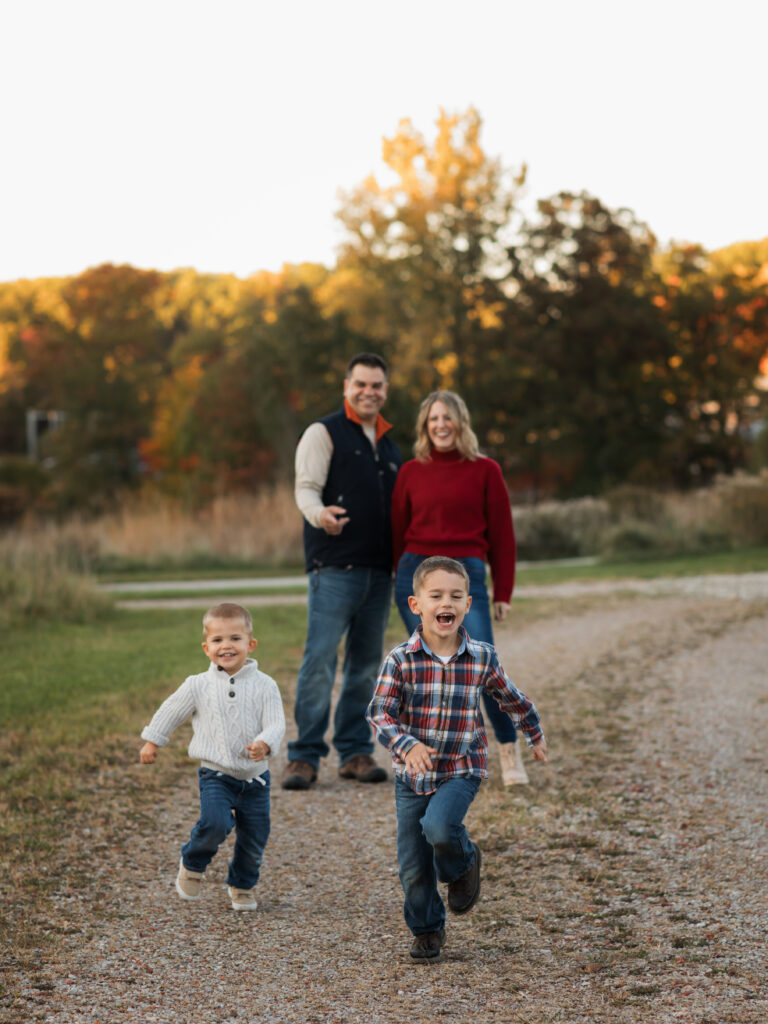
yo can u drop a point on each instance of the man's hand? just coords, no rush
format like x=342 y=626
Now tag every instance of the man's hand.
x=500 y=609
x=258 y=750
x=332 y=519
x=419 y=759
x=148 y=753
x=540 y=751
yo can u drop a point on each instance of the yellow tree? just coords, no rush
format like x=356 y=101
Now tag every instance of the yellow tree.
x=423 y=263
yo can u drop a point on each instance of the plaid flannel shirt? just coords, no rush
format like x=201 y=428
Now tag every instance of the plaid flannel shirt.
x=420 y=699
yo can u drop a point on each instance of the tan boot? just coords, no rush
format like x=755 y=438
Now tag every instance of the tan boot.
x=513 y=771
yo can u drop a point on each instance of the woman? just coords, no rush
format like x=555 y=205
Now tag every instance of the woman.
x=451 y=500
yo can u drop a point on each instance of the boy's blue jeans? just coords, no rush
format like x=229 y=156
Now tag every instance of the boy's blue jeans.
x=432 y=846
x=477 y=624
x=227 y=803
x=354 y=602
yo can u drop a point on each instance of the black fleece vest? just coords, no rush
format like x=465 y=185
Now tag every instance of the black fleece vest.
x=361 y=481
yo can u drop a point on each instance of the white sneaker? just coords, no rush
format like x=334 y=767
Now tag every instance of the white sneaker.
x=513 y=771
x=188 y=883
x=242 y=899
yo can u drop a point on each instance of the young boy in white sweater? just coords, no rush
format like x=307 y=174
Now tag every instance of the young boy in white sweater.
x=238 y=722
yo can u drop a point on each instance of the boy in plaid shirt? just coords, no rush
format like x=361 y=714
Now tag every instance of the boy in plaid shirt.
x=426 y=711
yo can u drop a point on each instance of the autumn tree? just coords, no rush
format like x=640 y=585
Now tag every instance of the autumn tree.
x=716 y=308
x=421 y=271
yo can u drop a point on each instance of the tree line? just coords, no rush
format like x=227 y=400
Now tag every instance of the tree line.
x=588 y=355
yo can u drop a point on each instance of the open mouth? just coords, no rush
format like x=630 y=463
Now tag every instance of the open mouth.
x=446 y=618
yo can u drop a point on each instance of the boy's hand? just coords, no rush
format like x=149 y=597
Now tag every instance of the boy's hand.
x=540 y=751
x=148 y=753
x=419 y=759
x=258 y=750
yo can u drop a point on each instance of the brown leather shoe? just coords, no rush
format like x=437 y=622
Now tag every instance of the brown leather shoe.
x=428 y=945
x=463 y=893
x=363 y=768
x=298 y=775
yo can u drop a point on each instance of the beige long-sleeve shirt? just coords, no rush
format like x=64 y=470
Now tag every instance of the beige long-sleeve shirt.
x=313 y=460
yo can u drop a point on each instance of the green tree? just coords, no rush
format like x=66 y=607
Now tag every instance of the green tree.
x=590 y=347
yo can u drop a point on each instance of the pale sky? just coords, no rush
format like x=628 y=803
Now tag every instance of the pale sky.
x=216 y=135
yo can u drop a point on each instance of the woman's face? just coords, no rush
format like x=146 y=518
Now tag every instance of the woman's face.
x=441 y=429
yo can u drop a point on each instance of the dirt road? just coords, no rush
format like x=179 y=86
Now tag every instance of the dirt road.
x=626 y=884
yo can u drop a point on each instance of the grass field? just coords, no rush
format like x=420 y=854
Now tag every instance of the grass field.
x=74 y=697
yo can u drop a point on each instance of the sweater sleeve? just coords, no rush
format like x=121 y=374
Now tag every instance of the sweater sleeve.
x=171 y=713
x=272 y=716
x=313 y=459
x=502 y=550
x=401 y=514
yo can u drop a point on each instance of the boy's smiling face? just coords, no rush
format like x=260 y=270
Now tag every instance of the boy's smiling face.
x=442 y=601
x=228 y=643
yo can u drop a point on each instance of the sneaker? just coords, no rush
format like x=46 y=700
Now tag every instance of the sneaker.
x=362 y=768
x=463 y=893
x=299 y=775
x=242 y=899
x=189 y=883
x=428 y=945
x=513 y=771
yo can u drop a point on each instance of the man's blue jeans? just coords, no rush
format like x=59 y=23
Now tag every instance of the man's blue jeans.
x=477 y=624
x=432 y=846
x=227 y=803
x=355 y=602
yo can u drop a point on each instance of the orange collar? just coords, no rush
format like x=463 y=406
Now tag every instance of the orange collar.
x=381 y=424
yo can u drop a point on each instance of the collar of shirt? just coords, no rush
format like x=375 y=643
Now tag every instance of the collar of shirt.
x=249 y=669
x=418 y=643
x=382 y=426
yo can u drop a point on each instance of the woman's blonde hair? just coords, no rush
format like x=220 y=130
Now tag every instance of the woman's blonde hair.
x=466 y=439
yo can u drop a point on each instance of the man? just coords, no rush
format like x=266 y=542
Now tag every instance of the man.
x=345 y=472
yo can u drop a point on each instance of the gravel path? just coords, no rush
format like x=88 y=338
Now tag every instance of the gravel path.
x=625 y=885
x=750 y=586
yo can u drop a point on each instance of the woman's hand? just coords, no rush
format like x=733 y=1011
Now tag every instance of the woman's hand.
x=500 y=609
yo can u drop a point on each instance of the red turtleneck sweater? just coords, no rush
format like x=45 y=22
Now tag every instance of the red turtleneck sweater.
x=452 y=506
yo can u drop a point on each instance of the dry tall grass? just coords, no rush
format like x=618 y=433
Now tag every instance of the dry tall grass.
x=153 y=531
x=35 y=585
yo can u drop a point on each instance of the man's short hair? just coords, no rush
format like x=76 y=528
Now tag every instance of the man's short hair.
x=228 y=610
x=367 y=359
x=435 y=563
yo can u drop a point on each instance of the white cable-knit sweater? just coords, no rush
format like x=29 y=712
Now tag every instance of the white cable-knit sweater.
x=228 y=712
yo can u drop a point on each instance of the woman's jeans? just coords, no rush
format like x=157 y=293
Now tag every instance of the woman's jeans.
x=432 y=846
x=353 y=603
x=227 y=803
x=477 y=623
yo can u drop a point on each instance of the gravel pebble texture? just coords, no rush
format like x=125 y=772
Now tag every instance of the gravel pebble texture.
x=626 y=884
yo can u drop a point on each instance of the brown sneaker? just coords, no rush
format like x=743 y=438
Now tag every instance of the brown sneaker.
x=299 y=775
x=428 y=945
x=363 y=768
x=463 y=893
x=188 y=883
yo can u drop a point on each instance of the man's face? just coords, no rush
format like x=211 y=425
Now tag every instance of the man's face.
x=366 y=389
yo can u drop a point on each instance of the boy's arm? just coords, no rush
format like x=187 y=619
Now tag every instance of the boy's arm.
x=267 y=741
x=520 y=709
x=171 y=713
x=384 y=710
